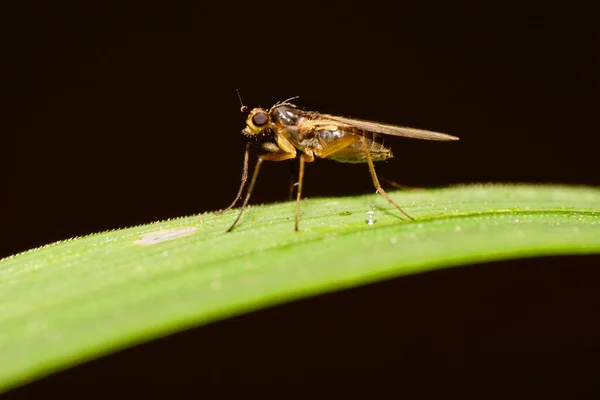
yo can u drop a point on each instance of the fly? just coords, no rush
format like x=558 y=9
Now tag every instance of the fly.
x=285 y=131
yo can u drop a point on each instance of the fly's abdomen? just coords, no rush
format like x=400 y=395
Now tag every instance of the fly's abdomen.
x=355 y=153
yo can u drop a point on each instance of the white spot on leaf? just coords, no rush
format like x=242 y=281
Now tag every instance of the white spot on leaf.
x=164 y=235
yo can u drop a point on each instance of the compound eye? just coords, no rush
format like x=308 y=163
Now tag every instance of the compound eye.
x=260 y=119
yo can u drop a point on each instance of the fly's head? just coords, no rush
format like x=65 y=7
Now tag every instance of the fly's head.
x=258 y=123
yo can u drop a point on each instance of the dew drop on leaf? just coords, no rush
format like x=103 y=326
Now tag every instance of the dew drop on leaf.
x=371 y=218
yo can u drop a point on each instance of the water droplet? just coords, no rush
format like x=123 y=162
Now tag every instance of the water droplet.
x=371 y=218
x=345 y=213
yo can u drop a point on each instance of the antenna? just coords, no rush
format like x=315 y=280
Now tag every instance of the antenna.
x=243 y=108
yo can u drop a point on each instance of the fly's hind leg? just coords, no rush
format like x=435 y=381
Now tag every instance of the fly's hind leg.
x=348 y=140
x=338 y=144
x=376 y=181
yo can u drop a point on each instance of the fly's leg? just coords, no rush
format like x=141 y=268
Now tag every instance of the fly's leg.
x=338 y=144
x=348 y=140
x=293 y=181
x=264 y=157
x=244 y=179
x=303 y=158
x=376 y=181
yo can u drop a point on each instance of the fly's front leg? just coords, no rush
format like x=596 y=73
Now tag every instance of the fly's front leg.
x=244 y=179
x=264 y=157
x=376 y=181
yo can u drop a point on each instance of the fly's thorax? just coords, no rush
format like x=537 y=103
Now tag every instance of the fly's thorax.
x=286 y=114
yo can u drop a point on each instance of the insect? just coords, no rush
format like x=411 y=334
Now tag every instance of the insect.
x=286 y=131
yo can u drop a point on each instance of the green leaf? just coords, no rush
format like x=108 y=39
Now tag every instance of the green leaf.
x=72 y=301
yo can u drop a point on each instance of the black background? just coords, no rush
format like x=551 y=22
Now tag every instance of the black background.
x=123 y=113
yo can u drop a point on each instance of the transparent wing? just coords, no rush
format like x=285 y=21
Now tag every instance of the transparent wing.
x=385 y=129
